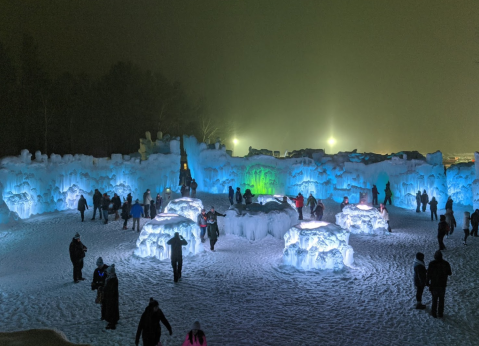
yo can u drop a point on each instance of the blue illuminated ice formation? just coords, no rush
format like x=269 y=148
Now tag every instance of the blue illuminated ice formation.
x=361 y=219
x=185 y=206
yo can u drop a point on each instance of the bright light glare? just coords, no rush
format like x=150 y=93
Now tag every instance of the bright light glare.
x=331 y=141
x=311 y=224
x=363 y=207
x=235 y=141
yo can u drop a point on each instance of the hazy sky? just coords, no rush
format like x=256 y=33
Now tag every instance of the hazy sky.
x=379 y=75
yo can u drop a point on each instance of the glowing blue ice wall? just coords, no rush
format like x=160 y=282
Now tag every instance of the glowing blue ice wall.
x=56 y=183
x=460 y=178
x=475 y=183
x=325 y=177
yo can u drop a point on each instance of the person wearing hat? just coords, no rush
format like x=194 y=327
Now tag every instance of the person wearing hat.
x=195 y=337
x=213 y=231
x=437 y=274
x=202 y=222
x=99 y=277
x=77 y=253
x=149 y=327
x=110 y=298
x=176 y=244
x=136 y=211
x=419 y=279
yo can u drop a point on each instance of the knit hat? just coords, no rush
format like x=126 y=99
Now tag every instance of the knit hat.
x=153 y=302
x=196 y=325
x=77 y=236
x=99 y=261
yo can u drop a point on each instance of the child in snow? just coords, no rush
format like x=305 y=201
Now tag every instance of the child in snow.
x=195 y=337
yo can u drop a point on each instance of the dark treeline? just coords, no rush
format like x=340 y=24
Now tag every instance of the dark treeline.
x=69 y=114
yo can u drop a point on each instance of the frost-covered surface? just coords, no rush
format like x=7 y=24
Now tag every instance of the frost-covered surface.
x=317 y=245
x=155 y=234
x=460 y=178
x=255 y=221
x=55 y=183
x=274 y=198
x=185 y=206
x=475 y=183
x=361 y=219
x=242 y=294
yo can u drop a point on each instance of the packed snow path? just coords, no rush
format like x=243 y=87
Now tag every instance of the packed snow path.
x=242 y=294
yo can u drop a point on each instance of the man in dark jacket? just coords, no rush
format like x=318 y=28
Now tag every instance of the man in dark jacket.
x=110 y=301
x=419 y=279
x=176 y=244
x=194 y=186
x=433 y=208
x=203 y=224
x=116 y=200
x=152 y=210
x=388 y=194
x=99 y=277
x=424 y=201
x=248 y=197
x=231 y=194
x=158 y=202
x=437 y=273
x=344 y=203
x=213 y=231
x=319 y=210
x=125 y=213
x=418 y=202
x=77 y=253
x=449 y=203
x=96 y=203
x=474 y=222
x=442 y=230
x=149 y=327
x=82 y=205
x=312 y=204
x=375 y=195
x=105 y=205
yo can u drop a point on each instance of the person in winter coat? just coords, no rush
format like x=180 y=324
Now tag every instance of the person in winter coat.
x=231 y=194
x=152 y=210
x=319 y=210
x=136 y=211
x=183 y=190
x=375 y=193
x=193 y=186
x=105 y=205
x=213 y=231
x=82 y=205
x=116 y=201
x=449 y=203
x=299 y=203
x=424 y=201
x=451 y=220
x=312 y=203
x=202 y=222
x=248 y=197
x=146 y=202
x=77 y=253
x=344 y=203
x=475 y=222
x=442 y=230
x=388 y=194
x=385 y=215
x=433 y=208
x=419 y=279
x=98 y=283
x=176 y=244
x=239 y=197
x=96 y=203
x=466 y=225
x=149 y=327
x=437 y=273
x=129 y=199
x=195 y=337
x=159 y=201
x=418 y=202
x=125 y=214
x=110 y=298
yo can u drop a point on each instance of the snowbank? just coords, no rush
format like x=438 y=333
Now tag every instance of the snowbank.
x=256 y=221
x=156 y=233
x=361 y=219
x=317 y=245
x=185 y=206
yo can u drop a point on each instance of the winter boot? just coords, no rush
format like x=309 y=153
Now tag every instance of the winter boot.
x=420 y=306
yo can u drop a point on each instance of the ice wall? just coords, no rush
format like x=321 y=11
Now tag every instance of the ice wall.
x=56 y=183
x=475 y=183
x=460 y=179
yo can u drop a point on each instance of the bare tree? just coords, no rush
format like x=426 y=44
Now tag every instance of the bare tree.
x=208 y=127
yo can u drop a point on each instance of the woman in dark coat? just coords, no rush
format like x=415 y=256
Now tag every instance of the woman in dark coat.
x=149 y=327
x=110 y=298
x=125 y=213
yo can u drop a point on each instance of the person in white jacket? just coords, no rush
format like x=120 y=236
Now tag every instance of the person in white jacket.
x=385 y=215
x=466 y=225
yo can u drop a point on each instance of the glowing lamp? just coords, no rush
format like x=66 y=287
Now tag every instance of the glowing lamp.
x=235 y=141
x=331 y=141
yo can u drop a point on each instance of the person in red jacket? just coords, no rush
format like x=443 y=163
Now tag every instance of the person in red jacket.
x=299 y=202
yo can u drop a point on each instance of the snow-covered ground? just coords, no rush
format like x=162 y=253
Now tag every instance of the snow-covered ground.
x=242 y=294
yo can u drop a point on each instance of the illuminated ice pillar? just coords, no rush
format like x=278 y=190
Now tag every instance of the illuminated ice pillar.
x=475 y=183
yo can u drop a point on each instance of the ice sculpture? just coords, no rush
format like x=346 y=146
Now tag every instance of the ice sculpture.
x=155 y=234
x=185 y=206
x=317 y=245
x=361 y=219
x=256 y=221
x=275 y=198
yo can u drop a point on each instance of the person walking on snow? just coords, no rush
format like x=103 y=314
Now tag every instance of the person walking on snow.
x=110 y=298
x=437 y=273
x=105 y=205
x=82 y=205
x=116 y=200
x=388 y=193
x=299 y=203
x=442 y=230
x=136 y=211
x=419 y=279
x=248 y=197
x=451 y=220
x=239 y=197
x=231 y=194
x=195 y=337
x=194 y=186
x=159 y=201
x=475 y=222
x=319 y=210
x=433 y=208
x=98 y=283
x=203 y=224
x=149 y=327
x=125 y=213
x=152 y=209
x=466 y=225
x=312 y=203
x=344 y=203
x=146 y=202
x=449 y=203
x=385 y=215
x=176 y=244
x=96 y=203
x=213 y=231
x=77 y=253
x=418 y=202
x=375 y=193
x=424 y=201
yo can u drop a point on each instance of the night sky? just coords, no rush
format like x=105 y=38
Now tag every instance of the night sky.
x=379 y=75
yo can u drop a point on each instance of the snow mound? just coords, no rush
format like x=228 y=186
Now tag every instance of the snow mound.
x=274 y=198
x=255 y=221
x=361 y=219
x=317 y=245
x=155 y=234
x=185 y=206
